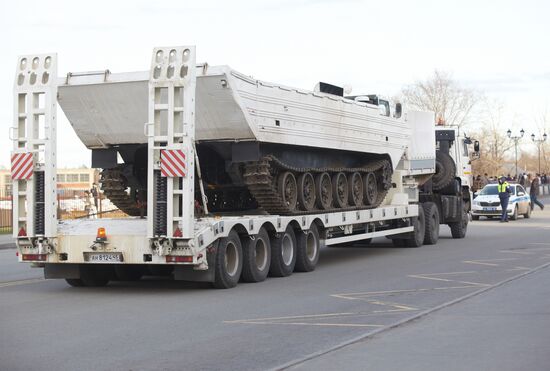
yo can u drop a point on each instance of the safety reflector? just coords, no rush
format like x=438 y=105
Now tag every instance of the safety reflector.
x=172 y=163
x=34 y=257
x=177 y=233
x=179 y=259
x=22 y=232
x=21 y=166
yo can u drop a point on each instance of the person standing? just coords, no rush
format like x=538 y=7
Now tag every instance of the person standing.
x=504 y=196
x=534 y=191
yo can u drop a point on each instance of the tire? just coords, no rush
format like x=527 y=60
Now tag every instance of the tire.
x=283 y=254
x=527 y=215
x=256 y=257
x=229 y=262
x=458 y=229
x=514 y=216
x=445 y=170
x=431 y=215
x=419 y=232
x=475 y=217
x=307 y=249
x=128 y=272
x=74 y=282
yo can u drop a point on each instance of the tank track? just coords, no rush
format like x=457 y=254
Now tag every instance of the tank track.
x=113 y=185
x=260 y=178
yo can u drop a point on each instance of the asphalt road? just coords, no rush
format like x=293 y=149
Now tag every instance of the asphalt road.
x=151 y=325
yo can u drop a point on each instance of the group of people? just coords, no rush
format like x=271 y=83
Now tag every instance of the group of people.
x=504 y=192
x=524 y=179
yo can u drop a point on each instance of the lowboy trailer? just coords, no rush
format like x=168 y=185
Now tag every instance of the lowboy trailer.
x=341 y=196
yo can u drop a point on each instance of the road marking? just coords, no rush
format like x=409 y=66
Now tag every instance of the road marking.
x=306 y=324
x=300 y=320
x=427 y=277
x=364 y=295
x=21 y=282
x=480 y=263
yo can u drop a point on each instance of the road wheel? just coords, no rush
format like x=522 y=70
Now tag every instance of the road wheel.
x=475 y=217
x=323 y=189
x=419 y=232
x=431 y=214
x=283 y=254
x=527 y=214
x=128 y=272
x=74 y=282
x=307 y=249
x=229 y=262
x=355 y=189
x=288 y=190
x=514 y=216
x=458 y=229
x=340 y=190
x=256 y=257
x=306 y=191
x=370 y=187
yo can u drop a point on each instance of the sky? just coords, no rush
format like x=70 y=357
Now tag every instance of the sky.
x=499 y=48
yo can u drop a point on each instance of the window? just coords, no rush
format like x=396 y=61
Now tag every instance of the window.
x=72 y=178
x=61 y=178
x=7 y=179
x=84 y=178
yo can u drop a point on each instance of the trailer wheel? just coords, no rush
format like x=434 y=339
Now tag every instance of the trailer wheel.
x=229 y=262
x=283 y=254
x=419 y=224
x=458 y=229
x=307 y=252
x=74 y=282
x=256 y=257
x=306 y=191
x=431 y=214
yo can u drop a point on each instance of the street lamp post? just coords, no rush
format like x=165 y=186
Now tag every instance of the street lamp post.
x=516 y=139
x=539 y=142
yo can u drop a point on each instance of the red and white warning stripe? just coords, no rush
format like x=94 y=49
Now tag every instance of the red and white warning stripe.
x=172 y=163
x=21 y=166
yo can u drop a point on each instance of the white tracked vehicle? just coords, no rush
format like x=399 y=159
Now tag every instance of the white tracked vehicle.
x=224 y=176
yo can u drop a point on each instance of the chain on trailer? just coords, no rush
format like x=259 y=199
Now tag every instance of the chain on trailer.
x=34 y=139
x=171 y=136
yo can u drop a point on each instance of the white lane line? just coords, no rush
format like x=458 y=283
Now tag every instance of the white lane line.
x=308 y=324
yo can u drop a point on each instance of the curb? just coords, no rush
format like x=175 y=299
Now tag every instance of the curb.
x=7 y=246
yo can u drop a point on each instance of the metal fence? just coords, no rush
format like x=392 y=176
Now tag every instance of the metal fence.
x=72 y=204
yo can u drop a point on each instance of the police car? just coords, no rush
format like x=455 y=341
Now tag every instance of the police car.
x=487 y=203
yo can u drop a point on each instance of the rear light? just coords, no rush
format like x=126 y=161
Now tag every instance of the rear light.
x=101 y=235
x=34 y=257
x=22 y=232
x=179 y=259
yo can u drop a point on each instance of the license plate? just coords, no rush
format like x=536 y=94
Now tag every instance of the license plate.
x=490 y=209
x=104 y=257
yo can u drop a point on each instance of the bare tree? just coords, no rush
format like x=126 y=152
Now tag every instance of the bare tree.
x=493 y=140
x=453 y=105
